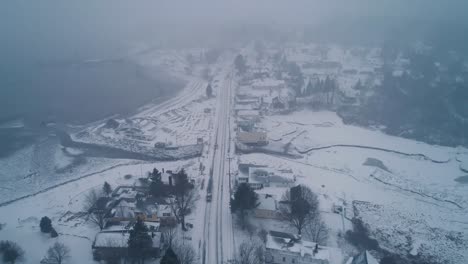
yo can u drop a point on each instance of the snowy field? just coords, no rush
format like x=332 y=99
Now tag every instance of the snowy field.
x=64 y=205
x=168 y=123
x=54 y=181
x=345 y=163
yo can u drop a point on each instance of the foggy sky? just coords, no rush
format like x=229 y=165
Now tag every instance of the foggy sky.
x=92 y=28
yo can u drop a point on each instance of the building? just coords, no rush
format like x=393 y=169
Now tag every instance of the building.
x=259 y=177
x=253 y=115
x=268 y=84
x=252 y=138
x=114 y=244
x=267 y=207
x=285 y=248
x=362 y=258
x=246 y=125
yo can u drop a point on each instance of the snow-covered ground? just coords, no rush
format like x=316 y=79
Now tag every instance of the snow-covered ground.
x=63 y=205
x=401 y=175
x=53 y=181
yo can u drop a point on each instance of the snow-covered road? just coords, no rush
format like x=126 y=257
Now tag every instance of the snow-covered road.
x=218 y=244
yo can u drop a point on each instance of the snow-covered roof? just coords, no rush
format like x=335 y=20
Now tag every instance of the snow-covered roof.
x=248 y=112
x=266 y=174
x=267 y=82
x=363 y=258
x=119 y=239
x=279 y=241
x=267 y=202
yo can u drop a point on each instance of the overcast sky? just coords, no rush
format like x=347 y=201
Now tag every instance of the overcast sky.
x=53 y=27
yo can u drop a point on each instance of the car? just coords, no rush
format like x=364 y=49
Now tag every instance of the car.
x=208 y=197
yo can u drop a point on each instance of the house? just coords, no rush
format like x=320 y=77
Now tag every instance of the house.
x=114 y=244
x=267 y=207
x=252 y=138
x=362 y=258
x=166 y=215
x=246 y=125
x=259 y=177
x=253 y=115
x=287 y=248
x=268 y=84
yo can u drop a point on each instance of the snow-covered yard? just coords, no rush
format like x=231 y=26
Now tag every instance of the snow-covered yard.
x=345 y=163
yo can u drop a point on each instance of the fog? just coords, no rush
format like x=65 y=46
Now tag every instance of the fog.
x=38 y=33
x=57 y=29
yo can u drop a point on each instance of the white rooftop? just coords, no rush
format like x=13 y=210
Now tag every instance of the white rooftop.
x=267 y=82
x=267 y=202
x=300 y=247
x=117 y=239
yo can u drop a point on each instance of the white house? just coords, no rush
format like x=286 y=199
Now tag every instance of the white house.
x=260 y=177
x=285 y=248
x=267 y=207
x=268 y=84
x=252 y=138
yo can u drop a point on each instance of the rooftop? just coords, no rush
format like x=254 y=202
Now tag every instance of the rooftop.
x=266 y=174
x=267 y=82
x=293 y=244
x=119 y=239
x=267 y=202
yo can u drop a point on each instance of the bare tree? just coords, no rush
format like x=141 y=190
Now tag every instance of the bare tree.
x=11 y=251
x=299 y=205
x=317 y=230
x=185 y=253
x=98 y=218
x=183 y=204
x=185 y=198
x=262 y=234
x=57 y=254
x=251 y=252
x=90 y=200
x=168 y=236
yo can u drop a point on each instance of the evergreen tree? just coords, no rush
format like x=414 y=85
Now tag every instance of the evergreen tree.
x=296 y=80
x=106 y=188
x=240 y=64
x=139 y=242
x=45 y=224
x=156 y=187
x=244 y=199
x=209 y=91
x=309 y=88
x=170 y=257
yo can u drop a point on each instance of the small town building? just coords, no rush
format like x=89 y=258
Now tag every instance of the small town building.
x=260 y=177
x=267 y=207
x=268 y=84
x=252 y=138
x=253 y=115
x=114 y=244
x=291 y=249
x=362 y=258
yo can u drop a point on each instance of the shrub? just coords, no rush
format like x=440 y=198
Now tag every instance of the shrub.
x=45 y=225
x=360 y=236
x=53 y=233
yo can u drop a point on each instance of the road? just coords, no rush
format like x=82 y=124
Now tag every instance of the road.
x=218 y=244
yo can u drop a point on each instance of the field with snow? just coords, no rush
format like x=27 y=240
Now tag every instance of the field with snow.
x=345 y=163
x=50 y=180
x=64 y=205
